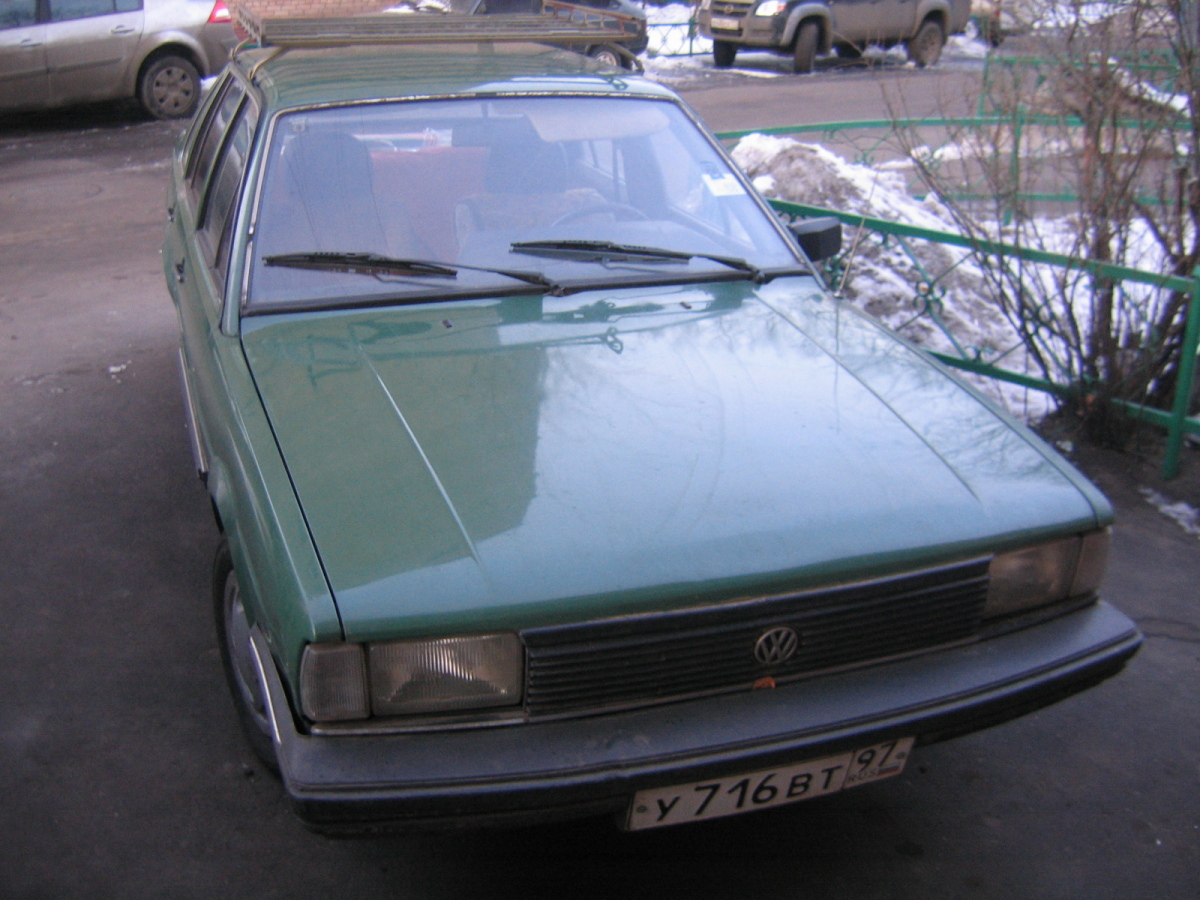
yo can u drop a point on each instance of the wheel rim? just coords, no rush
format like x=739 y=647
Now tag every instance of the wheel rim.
x=241 y=654
x=172 y=89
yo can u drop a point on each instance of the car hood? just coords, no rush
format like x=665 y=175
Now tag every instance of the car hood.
x=480 y=465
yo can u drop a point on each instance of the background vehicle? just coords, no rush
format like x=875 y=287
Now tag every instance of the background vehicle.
x=627 y=14
x=805 y=28
x=58 y=52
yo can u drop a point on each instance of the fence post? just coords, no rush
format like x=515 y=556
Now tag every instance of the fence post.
x=1183 y=382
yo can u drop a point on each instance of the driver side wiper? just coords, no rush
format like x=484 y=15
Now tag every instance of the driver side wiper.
x=376 y=264
x=603 y=251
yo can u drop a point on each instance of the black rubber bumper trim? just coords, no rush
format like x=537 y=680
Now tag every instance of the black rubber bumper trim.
x=354 y=784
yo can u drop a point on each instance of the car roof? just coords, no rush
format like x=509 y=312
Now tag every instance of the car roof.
x=302 y=77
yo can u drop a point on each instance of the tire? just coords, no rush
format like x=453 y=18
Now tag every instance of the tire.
x=237 y=658
x=804 y=51
x=925 y=47
x=724 y=53
x=169 y=88
x=607 y=55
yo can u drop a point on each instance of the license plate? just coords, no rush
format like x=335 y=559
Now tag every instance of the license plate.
x=721 y=23
x=715 y=798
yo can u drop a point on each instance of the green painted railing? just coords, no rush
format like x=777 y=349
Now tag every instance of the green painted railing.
x=871 y=137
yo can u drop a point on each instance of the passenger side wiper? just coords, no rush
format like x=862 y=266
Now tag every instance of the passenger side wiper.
x=377 y=264
x=604 y=251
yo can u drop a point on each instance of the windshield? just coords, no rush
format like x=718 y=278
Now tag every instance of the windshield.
x=472 y=183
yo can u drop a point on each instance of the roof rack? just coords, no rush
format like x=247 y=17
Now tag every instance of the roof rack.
x=561 y=23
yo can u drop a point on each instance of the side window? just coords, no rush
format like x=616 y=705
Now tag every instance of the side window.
x=216 y=224
x=65 y=10
x=492 y=7
x=18 y=13
x=221 y=113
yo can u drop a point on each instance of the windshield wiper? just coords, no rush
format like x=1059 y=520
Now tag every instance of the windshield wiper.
x=605 y=251
x=377 y=264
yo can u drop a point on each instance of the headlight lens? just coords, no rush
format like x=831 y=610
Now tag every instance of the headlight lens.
x=770 y=8
x=1035 y=576
x=446 y=674
x=340 y=682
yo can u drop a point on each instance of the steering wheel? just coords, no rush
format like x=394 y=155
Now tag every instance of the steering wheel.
x=623 y=212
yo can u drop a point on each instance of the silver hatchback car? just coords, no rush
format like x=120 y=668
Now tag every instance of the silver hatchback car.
x=59 y=52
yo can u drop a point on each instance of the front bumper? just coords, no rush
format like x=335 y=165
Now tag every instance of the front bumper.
x=762 y=32
x=576 y=767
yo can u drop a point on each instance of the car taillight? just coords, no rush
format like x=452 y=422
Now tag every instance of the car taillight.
x=220 y=13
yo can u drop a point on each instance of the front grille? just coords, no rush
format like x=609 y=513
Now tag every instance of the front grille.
x=735 y=9
x=648 y=659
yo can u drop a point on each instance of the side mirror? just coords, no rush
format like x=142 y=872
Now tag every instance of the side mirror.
x=818 y=238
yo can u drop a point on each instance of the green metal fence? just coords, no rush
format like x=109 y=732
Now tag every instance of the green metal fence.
x=680 y=38
x=1176 y=420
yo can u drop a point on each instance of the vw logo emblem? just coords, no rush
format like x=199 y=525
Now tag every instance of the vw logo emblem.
x=777 y=646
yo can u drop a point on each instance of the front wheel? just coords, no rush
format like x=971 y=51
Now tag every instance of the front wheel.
x=925 y=48
x=724 y=53
x=170 y=88
x=607 y=55
x=804 y=52
x=239 y=660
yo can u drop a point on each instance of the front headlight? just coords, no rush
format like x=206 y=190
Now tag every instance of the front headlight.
x=769 y=8
x=341 y=682
x=446 y=674
x=1046 y=573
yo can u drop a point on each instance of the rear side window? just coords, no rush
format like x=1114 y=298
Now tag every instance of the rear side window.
x=216 y=224
x=200 y=165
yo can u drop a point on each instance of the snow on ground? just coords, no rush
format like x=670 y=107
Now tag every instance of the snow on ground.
x=1187 y=517
x=881 y=277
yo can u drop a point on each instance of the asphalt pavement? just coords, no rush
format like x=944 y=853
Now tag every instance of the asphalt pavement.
x=122 y=770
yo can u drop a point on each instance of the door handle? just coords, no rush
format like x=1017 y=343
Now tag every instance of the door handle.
x=30 y=44
x=123 y=29
x=179 y=270
x=170 y=214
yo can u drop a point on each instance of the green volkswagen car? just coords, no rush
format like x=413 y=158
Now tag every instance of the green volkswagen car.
x=553 y=481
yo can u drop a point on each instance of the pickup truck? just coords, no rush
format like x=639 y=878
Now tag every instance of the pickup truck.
x=805 y=28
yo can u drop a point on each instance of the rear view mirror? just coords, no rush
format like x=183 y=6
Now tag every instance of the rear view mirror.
x=818 y=238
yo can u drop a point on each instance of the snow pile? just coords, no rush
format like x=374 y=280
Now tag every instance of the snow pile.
x=1141 y=90
x=881 y=276
x=1187 y=517
x=968 y=45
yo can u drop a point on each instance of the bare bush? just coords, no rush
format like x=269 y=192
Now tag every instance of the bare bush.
x=1092 y=152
